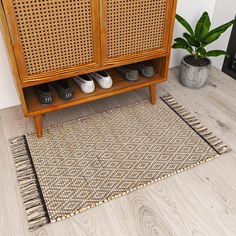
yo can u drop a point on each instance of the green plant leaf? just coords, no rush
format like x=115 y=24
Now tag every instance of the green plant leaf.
x=216 y=53
x=214 y=34
x=203 y=26
x=180 y=40
x=185 y=24
x=221 y=29
x=191 y=40
x=183 y=45
x=201 y=52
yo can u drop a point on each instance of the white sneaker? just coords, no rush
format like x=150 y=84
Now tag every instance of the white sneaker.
x=103 y=79
x=85 y=83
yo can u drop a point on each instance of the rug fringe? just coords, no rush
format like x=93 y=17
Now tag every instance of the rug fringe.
x=206 y=134
x=28 y=184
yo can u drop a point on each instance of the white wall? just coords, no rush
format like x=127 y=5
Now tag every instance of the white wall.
x=190 y=9
x=8 y=94
x=224 y=12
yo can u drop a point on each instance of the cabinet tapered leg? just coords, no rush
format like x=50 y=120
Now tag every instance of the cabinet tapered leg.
x=38 y=125
x=153 y=94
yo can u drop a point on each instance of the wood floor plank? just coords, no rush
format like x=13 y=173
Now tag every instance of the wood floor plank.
x=149 y=219
x=121 y=217
x=93 y=223
x=14 y=122
x=182 y=209
x=135 y=214
x=226 y=168
x=11 y=222
x=222 y=82
x=215 y=194
x=3 y=141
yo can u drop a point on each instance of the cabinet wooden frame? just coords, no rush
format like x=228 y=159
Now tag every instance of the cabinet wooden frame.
x=159 y=58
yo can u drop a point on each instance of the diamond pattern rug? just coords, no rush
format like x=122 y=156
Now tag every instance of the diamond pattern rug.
x=83 y=163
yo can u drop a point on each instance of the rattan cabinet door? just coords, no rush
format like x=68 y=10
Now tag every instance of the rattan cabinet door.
x=134 y=29
x=54 y=38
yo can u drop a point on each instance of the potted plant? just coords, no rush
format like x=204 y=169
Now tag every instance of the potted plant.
x=196 y=66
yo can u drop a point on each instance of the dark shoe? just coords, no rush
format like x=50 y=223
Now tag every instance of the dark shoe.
x=64 y=89
x=44 y=94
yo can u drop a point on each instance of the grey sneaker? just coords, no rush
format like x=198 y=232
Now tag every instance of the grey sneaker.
x=145 y=69
x=129 y=72
x=64 y=89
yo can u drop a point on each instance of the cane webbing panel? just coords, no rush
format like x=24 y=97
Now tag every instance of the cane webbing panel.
x=134 y=26
x=54 y=34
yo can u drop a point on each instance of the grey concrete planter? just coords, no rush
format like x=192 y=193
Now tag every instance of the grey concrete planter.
x=194 y=76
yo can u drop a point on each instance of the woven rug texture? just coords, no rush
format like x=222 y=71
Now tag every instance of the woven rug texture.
x=83 y=163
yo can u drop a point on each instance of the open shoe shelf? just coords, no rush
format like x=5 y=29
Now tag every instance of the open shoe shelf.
x=120 y=85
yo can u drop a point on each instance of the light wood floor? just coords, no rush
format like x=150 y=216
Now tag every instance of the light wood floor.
x=201 y=201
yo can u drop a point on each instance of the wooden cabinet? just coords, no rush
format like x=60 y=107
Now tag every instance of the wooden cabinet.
x=52 y=40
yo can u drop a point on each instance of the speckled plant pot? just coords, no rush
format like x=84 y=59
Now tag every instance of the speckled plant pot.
x=194 y=76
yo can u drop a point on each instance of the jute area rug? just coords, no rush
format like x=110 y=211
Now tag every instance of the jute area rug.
x=83 y=163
